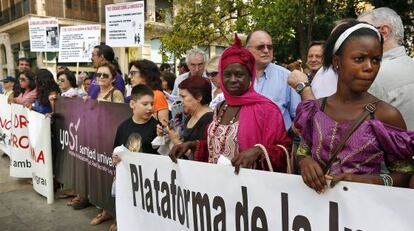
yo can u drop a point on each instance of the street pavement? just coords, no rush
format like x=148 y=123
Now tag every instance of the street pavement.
x=21 y=208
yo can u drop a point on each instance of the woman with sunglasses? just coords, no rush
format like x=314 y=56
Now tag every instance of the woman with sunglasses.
x=105 y=75
x=212 y=74
x=28 y=93
x=67 y=84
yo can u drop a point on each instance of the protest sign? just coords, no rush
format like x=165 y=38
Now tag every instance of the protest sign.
x=84 y=136
x=44 y=34
x=77 y=43
x=125 y=24
x=5 y=125
x=20 y=158
x=153 y=193
x=41 y=153
x=25 y=138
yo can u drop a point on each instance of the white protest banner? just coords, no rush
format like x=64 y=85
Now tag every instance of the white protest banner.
x=77 y=42
x=20 y=158
x=153 y=193
x=5 y=125
x=44 y=34
x=41 y=151
x=125 y=24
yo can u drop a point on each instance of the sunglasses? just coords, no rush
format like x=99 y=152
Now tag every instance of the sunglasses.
x=212 y=74
x=102 y=75
x=263 y=46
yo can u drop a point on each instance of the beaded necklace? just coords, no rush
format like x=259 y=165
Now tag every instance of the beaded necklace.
x=232 y=121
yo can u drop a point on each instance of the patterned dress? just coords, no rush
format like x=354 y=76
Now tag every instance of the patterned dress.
x=223 y=140
x=366 y=149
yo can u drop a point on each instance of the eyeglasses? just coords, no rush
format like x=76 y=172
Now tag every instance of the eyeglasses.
x=102 y=75
x=263 y=46
x=212 y=74
x=132 y=73
x=61 y=80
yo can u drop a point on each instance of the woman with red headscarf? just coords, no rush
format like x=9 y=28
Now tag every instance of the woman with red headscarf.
x=247 y=126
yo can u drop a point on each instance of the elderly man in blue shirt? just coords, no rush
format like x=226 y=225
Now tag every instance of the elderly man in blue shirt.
x=272 y=79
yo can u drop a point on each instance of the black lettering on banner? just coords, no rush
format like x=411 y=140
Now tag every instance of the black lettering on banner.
x=241 y=211
x=165 y=201
x=141 y=185
x=134 y=182
x=301 y=223
x=22 y=164
x=333 y=216
x=201 y=202
x=218 y=202
x=157 y=189
x=180 y=206
x=285 y=212
x=173 y=191
x=259 y=214
x=187 y=200
x=148 y=196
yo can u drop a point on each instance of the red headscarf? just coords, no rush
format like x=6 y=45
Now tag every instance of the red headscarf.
x=254 y=107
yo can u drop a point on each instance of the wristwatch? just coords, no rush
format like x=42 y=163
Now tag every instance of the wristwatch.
x=301 y=86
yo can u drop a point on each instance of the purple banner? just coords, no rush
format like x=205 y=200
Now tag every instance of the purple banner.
x=83 y=138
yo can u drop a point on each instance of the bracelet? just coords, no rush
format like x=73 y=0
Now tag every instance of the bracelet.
x=387 y=179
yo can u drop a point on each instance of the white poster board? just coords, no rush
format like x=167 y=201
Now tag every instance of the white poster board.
x=41 y=153
x=5 y=125
x=77 y=42
x=125 y=24
x=44 y=34
x=28 y=144
x=153 y=193
x=20 y=158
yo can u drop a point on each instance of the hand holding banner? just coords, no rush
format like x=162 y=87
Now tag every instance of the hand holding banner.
x=153 y=193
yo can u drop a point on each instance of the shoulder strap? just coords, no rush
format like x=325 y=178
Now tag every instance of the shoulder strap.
x=323 y=103
x=369 y=109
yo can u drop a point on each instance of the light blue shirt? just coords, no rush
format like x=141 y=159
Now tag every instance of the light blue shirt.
x=273 y=84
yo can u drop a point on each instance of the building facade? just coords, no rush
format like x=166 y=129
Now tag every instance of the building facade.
x=14 y=31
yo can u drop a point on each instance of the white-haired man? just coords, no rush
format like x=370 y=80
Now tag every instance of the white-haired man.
x=196 y=60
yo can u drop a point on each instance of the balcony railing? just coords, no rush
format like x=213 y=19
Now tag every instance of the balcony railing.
x=16 y=11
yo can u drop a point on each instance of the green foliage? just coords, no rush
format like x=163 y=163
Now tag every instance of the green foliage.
x=202 y=22
x=291 y=23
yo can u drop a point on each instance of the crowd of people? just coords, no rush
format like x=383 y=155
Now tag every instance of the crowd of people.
x=348 y=118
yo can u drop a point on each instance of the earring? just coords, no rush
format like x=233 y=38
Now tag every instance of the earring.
x=337 y=67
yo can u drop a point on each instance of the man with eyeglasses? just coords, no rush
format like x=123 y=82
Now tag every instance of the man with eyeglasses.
x=271 y=79
x=394 y=83
x=196 y=60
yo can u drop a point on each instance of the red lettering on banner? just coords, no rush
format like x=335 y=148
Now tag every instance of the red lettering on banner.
x=20 y=121
x=5 y=123
x=20 y=142
x=39 y=157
